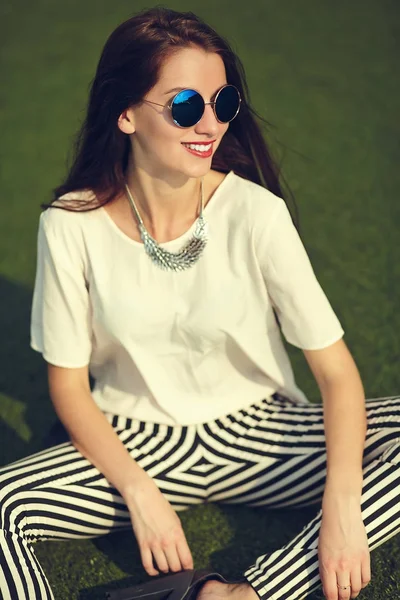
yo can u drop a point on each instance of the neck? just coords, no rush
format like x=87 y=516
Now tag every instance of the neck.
x=164 y=206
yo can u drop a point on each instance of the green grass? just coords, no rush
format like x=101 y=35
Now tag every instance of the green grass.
x=324 y=74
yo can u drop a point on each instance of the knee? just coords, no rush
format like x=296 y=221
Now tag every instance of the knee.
x=12 y=510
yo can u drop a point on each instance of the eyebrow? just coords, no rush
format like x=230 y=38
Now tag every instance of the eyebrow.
x=176 y=89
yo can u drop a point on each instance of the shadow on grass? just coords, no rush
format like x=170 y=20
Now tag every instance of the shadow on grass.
x=257 y=531
x=26 y=412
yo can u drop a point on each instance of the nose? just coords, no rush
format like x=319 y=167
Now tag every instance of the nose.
x=208 y=123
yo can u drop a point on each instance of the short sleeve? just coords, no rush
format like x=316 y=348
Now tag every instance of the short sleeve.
x=60 y=315
x=306 y=316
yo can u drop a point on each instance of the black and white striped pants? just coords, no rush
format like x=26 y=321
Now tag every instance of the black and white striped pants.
x=271 y=454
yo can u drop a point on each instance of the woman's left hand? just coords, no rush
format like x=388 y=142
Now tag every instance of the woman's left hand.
x=344 y=557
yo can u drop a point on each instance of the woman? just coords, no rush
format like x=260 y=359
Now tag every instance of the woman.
x=164 y=267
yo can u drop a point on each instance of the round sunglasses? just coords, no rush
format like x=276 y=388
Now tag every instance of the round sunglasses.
x=187 y=106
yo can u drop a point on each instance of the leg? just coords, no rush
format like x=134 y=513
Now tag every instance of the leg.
x=50 y=495
x=276 y=457
x=58 y=495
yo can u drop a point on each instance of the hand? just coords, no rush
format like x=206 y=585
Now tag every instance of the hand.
x=157 y=528
x=343 y=552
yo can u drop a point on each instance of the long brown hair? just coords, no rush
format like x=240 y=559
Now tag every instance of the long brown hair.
x=128 y=68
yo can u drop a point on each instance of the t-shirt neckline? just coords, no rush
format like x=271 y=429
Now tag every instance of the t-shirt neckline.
x=182 y=237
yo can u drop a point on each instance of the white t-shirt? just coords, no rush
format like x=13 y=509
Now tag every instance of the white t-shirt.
x=180 y=347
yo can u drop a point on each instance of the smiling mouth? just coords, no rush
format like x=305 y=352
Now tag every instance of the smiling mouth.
x=205 y=147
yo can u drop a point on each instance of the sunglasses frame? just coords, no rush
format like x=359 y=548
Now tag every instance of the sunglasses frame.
x=213 y=103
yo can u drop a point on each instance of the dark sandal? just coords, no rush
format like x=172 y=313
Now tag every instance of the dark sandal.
x=184 y=585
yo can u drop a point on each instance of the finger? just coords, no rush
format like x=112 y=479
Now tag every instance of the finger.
x=343 y=579
x=160 y=558
x=184 y=554
x=147 y=560
x=355 y=579
x=172 y=557
x=366 y=570
x=344 y=594
x=329 y=582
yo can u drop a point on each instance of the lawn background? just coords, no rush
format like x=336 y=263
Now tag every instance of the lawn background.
x=324 y=75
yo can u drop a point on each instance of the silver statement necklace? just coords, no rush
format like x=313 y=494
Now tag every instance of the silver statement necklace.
x=188 y=255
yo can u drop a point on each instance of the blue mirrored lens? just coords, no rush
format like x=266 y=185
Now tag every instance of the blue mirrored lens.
x=227 y=104
x=187 y=108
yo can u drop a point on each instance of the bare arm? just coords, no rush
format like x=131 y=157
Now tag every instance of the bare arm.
x=156 y=525
x=342 y=536
x=345 y=417
x=89 y=429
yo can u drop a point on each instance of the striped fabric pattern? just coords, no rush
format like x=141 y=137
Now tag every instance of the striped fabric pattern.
x=271 y=454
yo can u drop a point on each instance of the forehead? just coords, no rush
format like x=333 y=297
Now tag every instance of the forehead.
x=192 y=67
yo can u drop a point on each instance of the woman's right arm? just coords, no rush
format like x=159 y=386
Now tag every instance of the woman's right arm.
x=156 y=525
x=89 y=429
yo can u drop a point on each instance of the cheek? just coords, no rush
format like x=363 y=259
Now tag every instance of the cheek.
x=156 y=136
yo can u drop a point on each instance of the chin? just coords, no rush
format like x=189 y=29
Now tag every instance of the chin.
x=198 y=170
